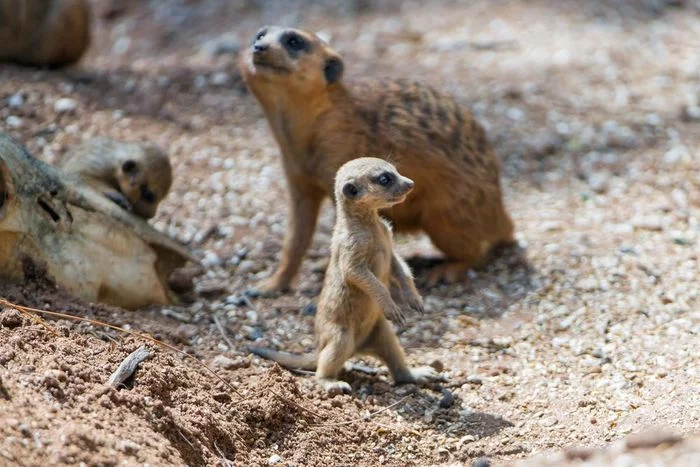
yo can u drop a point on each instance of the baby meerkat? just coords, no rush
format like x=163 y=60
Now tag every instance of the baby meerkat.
x=356 y=297
x=44 y=32
x=320 y=123
x=136 y=176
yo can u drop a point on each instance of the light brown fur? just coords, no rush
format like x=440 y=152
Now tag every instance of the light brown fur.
x=137 y=176
x=44 y=32
x=320 y=123
x=356 y=291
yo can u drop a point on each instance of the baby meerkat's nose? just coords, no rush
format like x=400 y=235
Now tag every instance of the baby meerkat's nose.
x=259 y=48
x=409 y=183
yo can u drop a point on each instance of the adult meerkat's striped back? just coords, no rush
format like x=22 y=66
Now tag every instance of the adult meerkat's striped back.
x=320 y=123
x=365 y=280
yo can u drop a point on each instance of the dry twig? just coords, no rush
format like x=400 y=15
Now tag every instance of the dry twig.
x=128 y=366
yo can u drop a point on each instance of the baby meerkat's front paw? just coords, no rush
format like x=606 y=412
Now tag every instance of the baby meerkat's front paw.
x=415 y=304
x=119 y=199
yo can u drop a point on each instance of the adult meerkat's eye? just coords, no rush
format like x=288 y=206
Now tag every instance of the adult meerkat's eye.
x=295 y=43
x=386 y=179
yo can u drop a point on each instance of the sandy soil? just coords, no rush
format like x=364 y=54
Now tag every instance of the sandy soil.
x=585 y=334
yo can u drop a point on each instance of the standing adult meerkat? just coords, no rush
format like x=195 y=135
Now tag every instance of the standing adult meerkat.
x=44 y=32
x=136 y=176
x=366 y=281
x=320 y=123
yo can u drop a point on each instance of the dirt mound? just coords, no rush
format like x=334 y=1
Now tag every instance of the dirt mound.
x=57 y=408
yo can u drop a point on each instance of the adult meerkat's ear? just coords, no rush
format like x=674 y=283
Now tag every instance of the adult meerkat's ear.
x=333 y=69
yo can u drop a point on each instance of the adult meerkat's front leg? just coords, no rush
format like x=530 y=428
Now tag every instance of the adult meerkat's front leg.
x=305 y=203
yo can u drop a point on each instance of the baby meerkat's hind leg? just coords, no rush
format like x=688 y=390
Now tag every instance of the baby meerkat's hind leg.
x=331 y=359
x=384 y=344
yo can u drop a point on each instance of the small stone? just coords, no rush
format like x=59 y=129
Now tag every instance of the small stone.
x=223 y=362
x=448 y=399
x=14 y=122
x=654 y=223
x=274 y=459
x=549 y=422
x=309 y=310
x=690 y=113
x=65 y=105
x=254 y=332
x=481 y=462
x=211 y=288
x=220 y=78
x=473 y=379
x=438 y=365
x=651 y=439
x=599 y=181
x=15 y=101
x=226 y=44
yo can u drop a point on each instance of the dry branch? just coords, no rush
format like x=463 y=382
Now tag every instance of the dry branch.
x=128 y=366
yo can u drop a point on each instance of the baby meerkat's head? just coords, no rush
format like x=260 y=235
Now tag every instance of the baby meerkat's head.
x=371 y=183
x=298 y=61
x=145 y=178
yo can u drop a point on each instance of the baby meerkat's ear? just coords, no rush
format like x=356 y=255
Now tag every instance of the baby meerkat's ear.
x=350 y=191
x=333 y=70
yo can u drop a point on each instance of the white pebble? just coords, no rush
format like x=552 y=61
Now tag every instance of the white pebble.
x=274 y=459
x=15 y=100
x=65 y=105
x=14 y=122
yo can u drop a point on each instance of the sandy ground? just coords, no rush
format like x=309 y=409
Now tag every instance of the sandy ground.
x=585 y=334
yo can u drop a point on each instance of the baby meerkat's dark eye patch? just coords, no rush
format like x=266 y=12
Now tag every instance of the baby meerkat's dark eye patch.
x=129 y=166
x=147 y=195
x=294 y=43
x=350 y=191
x=386 y=179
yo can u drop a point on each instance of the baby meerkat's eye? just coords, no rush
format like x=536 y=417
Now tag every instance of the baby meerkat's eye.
x=386 y=179
x=129 y=166
x=260 y=35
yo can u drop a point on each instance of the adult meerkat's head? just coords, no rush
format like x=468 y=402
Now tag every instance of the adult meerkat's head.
x=296 y=60
x=371 y=183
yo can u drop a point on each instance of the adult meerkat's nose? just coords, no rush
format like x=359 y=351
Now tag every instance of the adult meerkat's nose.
x=260 y=48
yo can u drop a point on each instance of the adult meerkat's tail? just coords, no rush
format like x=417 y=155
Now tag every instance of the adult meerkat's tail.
x=286 y=359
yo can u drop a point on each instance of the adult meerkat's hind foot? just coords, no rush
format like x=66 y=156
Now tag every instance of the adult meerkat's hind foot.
x=448 y=272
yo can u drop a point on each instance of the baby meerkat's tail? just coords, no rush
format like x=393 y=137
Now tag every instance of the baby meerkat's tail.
x=286 y=359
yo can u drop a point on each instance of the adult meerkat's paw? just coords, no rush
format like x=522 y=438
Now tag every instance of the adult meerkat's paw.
x=448 y=273
x=335 y=387
x=426 y=374
x=267 y=288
